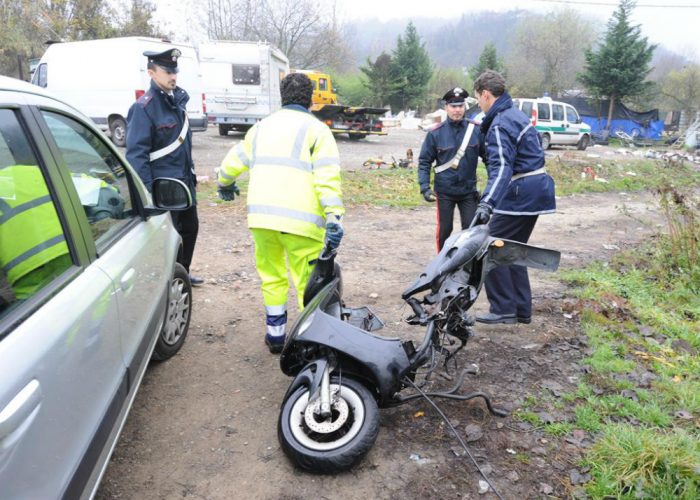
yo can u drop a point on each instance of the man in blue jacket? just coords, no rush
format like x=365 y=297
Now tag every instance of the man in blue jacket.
x=453 y=147
x=517 y=192
x=159 y=141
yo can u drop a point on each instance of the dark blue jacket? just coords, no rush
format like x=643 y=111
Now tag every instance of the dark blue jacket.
x=440 y=146
x=155 y=121
x=510 y=146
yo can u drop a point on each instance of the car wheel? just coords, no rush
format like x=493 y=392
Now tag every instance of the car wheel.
x=546 y=141
x=223 y=129
x=583 y=143
x=117 y=130
x=177 y=316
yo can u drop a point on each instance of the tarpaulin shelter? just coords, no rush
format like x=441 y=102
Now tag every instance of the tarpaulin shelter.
x=594 y=112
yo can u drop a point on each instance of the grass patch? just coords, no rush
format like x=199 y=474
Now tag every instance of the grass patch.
x=641 y=314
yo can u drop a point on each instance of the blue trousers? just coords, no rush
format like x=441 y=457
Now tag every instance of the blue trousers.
x=508 y=287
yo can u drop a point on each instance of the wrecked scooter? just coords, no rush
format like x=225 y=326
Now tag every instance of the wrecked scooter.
x=343 y=372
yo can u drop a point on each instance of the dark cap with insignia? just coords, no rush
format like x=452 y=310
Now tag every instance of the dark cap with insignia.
x=455 y=96
x=166 y=59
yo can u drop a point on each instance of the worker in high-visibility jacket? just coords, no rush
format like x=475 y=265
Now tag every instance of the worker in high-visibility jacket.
x=294 y=203
x=33 y=248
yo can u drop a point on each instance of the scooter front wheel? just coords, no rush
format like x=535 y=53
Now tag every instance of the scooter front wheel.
x=334 y=444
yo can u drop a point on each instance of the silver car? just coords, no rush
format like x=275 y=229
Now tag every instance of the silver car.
x=90 y=291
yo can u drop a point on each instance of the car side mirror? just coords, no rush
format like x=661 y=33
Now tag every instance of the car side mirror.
x=169 y=194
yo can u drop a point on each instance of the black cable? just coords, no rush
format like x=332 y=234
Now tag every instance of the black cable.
x=454 y=431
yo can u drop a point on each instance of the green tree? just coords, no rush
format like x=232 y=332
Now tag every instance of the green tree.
x=411 y=69
x=487 y=60
x=619 y=67
x=442 y=80
x=380 y=80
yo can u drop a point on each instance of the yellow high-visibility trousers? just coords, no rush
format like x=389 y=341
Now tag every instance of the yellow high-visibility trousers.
x=273 y=251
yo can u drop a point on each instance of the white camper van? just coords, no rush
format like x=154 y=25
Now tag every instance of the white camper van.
x=241 y=82
x=103 y=78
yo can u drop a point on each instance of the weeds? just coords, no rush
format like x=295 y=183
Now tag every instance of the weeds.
x=641 y=314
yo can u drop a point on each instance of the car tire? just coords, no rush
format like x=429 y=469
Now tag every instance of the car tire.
x=177 y=316
x=223 y=129
x=117 y=131
x=583 y=143
x=546 y=141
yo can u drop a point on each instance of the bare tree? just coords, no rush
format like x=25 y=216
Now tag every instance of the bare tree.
x=308 y=31
x=548 y=52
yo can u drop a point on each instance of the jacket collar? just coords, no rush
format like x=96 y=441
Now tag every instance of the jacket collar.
x=178 y=97
x=296 y=107
x=502 y=103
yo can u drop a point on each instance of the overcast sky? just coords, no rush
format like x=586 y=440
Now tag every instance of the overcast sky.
x=673 y=23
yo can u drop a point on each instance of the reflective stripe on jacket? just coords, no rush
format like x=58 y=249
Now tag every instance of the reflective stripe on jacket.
x=294 y=173
x=30 y=231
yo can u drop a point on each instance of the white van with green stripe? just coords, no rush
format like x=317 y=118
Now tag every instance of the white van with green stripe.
x=558 y=123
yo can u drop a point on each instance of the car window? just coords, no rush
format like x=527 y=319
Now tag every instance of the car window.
x=246 y=74
x=33 y=248
x=40 y=76
x=527 y=108
x=543 y=111
x=557 y=112
x=98 y=176
x=571 y=114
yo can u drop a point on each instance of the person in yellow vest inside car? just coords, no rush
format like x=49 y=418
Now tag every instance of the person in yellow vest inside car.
x=33 y=249
x=294 y=201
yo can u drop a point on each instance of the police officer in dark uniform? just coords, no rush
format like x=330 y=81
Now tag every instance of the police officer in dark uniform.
x=453 y=147
x=518 y=191
x=159 y=141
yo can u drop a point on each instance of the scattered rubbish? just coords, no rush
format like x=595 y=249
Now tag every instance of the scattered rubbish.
x=483 y=486
x=418 y=414
x=600 y=179
x=418 y=459
x=511 y=451
x=611 y=247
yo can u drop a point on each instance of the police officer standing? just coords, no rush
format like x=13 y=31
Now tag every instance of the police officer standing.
x=517 y=192
x=159 y=141
x=453 y=147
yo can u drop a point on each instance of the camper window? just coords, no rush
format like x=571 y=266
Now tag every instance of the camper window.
x=246 y=74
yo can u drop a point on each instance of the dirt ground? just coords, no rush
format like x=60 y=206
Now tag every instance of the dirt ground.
x=204 y=424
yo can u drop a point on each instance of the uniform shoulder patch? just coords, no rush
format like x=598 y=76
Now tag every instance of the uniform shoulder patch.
x=145 y=99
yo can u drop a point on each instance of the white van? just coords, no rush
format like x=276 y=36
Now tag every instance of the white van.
x=241 y=81
x=103 y=78
x=557 y=122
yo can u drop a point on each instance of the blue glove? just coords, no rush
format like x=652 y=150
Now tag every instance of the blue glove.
x=334 y=231
x=228 y=193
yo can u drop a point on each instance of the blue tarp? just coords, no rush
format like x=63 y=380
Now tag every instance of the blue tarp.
x=653 y=130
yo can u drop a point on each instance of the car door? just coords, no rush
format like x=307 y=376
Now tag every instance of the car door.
x=63 y=377
x=137 y=254
x=560 y=127
x=575 y=123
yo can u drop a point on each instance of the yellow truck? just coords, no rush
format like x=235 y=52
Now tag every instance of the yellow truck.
x=356 y=121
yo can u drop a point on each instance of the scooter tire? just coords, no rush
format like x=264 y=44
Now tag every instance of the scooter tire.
x=344 y=445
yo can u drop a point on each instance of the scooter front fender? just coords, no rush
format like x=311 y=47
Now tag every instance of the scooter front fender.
x=310 y=376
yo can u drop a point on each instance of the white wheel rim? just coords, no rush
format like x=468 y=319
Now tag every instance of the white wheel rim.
x=347 y=403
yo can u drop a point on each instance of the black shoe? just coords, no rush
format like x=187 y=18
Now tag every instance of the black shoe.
x=525 y=319
x=196 y=280
x=492 y=318
x=275 y=344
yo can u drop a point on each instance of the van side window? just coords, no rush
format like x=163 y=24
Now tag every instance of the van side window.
x=246 y=74
x=543 y=111
x=33 y=248
x=571 y=115
x=557 y=112
x=527 y=108
x=97 y=174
